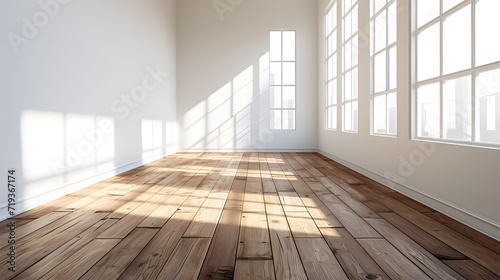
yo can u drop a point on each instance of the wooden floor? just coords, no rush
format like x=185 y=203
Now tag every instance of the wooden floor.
x=244 y=216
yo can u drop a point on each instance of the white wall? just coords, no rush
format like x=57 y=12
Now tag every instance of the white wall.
x=223 y=91
x=63 y=76
x=460 y=181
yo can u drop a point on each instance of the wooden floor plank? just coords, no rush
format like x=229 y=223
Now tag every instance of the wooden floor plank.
x=435 y=246
x=286 y=259
x=464 y=245
x=254 y=199
x=319 y=212
x=82 y=260
x=187 y=259
x=254 y=270
x=356 y=263
x=302 y=225
x=478 y=237
x=221 y=257
x=254 y=237
x=123 y=227
x=216 y=216
x=65 y=251
x=265 y=173
x=205 y=221
x=429 y=264
x=220 y=261
x=149 y=263
x=291 y=202
x=35 y=246
x=358 y=227
x=120 y=257
x=471 y=270
x=396 y=265
x=318 y=259
x=33 y=225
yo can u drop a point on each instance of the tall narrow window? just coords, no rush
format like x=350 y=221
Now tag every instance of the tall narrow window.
x=350 y=65
x=456 y=90
x=282 y=79
x=383 y=24
x=331 y=67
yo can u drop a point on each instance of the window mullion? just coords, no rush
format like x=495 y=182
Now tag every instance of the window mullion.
x=441 y=112
x=473 y=74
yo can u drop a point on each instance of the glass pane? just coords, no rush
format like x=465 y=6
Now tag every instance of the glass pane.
x=457 y=109
x=457 y=41
x=355 y=83
x=355 y=116
x=428 y=65
x=288 y=73
x=333 y=41
x=380 y=71
x=347 y=55
x=288 y=119
x=275 y=119
x=348 y=116
x=392 y=23
x=379 y=114
x=488 y=106
x=275 y=72
x=448 y=4
x=392 y=115
x=393 y=68
x=332 y=93
x=328 y=24
x=347 y=26
x=379 y=4
x=487 y=39
x=428 y=111
x=427 y=10
x=333 y=16
x=380 y=31
x=288 y=97
x=354 y=50
x=276 y=97
x=332 y=117
x=354 y=20
x=372 y=37
x=347 y=5
x=347 y=86
x=275 y=47
x=288 y=45
x=332 y=67
x=328 y=47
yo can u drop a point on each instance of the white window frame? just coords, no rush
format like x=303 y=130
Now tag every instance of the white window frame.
x=331 y=120
x=473 y=71
x=344 y=42
x=388 y=90
x=281 y=108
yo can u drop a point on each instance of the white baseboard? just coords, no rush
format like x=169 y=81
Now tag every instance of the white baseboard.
x=266 y=150
x=25 y=204
x=465 y=216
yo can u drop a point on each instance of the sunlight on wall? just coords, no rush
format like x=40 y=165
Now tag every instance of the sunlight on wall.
x=59 y=149
x=171 y=137
x=195 y=124
x=223 y=120
x=152 y=138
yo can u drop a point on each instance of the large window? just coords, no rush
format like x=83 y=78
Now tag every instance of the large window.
x=282 y=79
x=331 y=67
x=383 y=52
x=457 y=71
x=350 y=65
